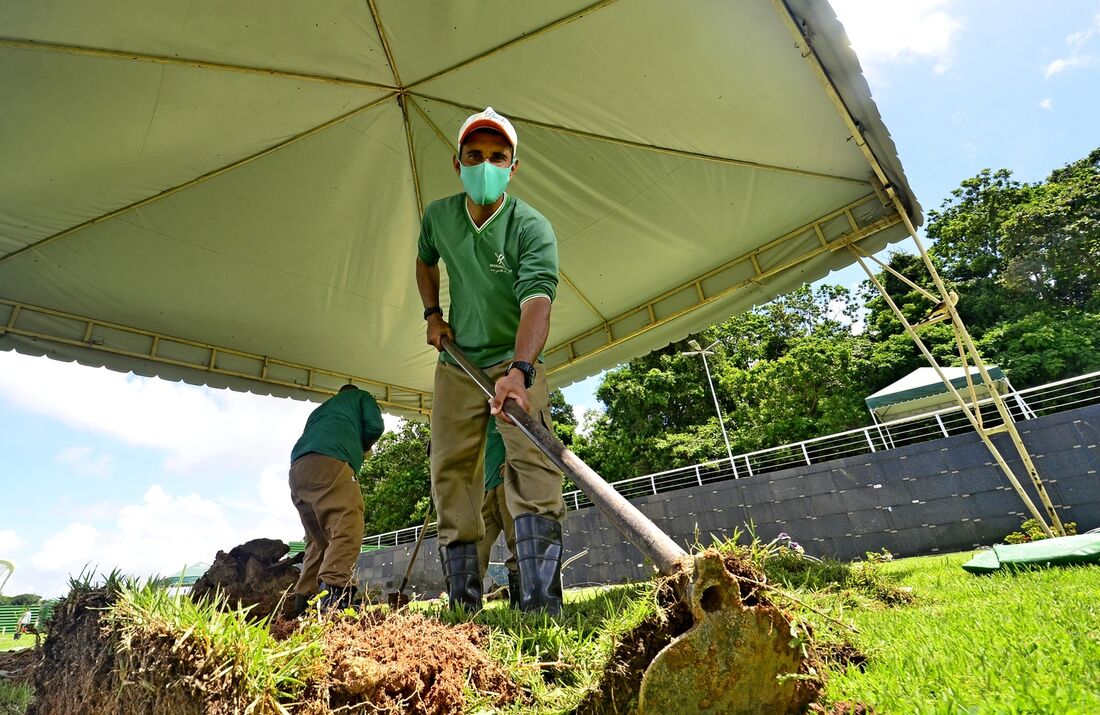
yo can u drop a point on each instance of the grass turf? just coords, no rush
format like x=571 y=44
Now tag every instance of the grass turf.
x=1009 y=643
x=8 y=642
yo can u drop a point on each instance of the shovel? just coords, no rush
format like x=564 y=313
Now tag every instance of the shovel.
x=733 y=659
x=397 y=598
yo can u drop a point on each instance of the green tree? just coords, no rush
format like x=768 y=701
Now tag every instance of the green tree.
x=785 y=371
x=1051 y=244
x=23 y=599
x=396 y=479
x=561 y=413
x=1045 y=346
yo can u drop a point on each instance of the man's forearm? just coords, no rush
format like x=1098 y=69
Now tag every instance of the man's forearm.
x=534 y=326
x=427 y=282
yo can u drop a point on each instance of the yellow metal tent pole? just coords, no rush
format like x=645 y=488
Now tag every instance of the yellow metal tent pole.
x=948 y=300
x=983 y=432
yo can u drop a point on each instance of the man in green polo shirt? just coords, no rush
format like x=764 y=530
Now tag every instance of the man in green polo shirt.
x=323 y=487
x=502 y=266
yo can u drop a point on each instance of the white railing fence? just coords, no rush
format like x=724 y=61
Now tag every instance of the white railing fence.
x=1023 y=405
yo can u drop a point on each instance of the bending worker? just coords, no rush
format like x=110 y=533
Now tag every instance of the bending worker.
x=502 y=266
x=326 y=494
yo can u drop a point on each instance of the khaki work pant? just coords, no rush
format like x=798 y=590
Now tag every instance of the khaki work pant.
x=494 y=514
x=460 y=416
x=330 y=504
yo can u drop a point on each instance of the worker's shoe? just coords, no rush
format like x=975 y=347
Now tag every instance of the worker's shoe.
x=460 y=570
x=301 y=603
x=513 y=589
x=538 y=551
x=338 y=597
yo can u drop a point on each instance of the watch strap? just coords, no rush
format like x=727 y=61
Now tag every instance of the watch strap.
x=527 y=369
x=429 y=312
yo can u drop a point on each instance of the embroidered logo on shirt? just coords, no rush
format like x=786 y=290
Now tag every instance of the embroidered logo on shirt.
x=500 y=266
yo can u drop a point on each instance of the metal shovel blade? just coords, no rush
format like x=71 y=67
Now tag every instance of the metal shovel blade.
x=734 y=659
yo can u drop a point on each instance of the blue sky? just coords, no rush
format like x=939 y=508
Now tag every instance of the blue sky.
x=115 y=470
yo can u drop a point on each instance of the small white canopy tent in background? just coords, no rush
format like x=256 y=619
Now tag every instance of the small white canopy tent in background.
x=922 y=392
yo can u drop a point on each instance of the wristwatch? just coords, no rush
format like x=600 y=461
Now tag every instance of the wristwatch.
x=526 y=368
x=429 y=312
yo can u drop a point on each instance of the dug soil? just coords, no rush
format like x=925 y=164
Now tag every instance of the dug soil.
x=371 y=662
x=253 y=574
x=17 y=666
x=406 y=663
x=618 y=692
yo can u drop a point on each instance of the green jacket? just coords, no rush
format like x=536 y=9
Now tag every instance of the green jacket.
x=344 y=427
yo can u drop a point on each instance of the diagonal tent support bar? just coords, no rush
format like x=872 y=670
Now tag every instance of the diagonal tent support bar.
x=195 y=181
x=526 y=37
x=973 y=414
x=65 y=329
x=947 y=299
x=653 y=147
x=718 y=283
x=15 y=44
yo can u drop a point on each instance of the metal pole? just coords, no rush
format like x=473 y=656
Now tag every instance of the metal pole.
x=718 y=409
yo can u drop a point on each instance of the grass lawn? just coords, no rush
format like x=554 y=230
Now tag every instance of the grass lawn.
x=8 y=642
x=1007 y=643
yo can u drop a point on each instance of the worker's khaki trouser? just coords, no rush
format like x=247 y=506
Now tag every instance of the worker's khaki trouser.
x=494 y=514
x=330 y=504
x=460 y=416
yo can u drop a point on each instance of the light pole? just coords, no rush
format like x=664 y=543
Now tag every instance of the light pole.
x=703 y=352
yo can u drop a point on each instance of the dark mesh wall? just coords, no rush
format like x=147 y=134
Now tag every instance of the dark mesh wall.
x=936 y=497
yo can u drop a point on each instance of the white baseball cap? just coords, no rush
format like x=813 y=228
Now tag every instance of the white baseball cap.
x=489 y=119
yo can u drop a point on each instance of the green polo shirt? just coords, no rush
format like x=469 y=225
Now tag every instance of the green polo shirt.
x=492 y=271
x=344 y=427
x=494 y=456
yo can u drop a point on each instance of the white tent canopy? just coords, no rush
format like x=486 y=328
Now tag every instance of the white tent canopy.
x=230 y=194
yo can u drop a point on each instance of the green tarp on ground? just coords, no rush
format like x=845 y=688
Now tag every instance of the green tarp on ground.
x=1064 y=550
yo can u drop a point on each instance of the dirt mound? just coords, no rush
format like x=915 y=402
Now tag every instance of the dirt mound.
x=617 y=693
x=407 y=663
x=18 y=666
x=399 y=663
x=77 y=673
x=634 y=652
x=252 y=574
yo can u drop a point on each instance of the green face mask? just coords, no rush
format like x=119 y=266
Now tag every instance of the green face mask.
x=484 y=182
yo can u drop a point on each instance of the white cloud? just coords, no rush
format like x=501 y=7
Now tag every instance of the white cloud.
x=199 y=428
x=84 y=462
x=1067 y=63
x=161 y=534
x=10 y=544
x=1079 y=55
x=1046 y=104
x=893 y=31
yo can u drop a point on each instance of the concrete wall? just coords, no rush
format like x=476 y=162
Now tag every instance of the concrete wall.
x=940 y=496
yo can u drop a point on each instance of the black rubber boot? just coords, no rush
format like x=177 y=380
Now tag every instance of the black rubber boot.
x=538 y=551
x=460 y=569
x=513 y=590
x=337 y=596
x=301 y=603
